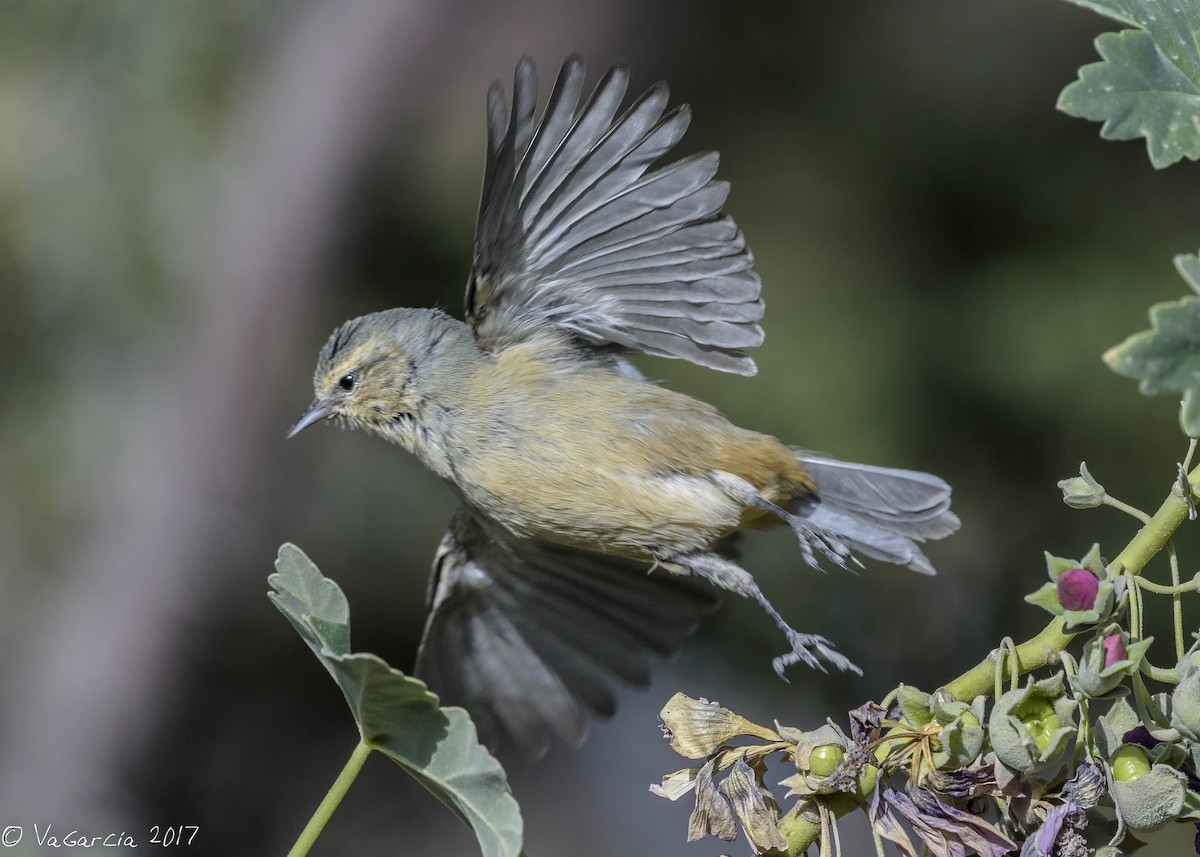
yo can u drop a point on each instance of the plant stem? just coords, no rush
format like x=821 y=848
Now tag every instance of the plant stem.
x=1135 y=609
x=1176 y=600
x=1044 y=648
x=1126 y=508
x=337 y=791
x=1161 y=589
x=1033 y=654
x=802 y=833
x=1159 y=674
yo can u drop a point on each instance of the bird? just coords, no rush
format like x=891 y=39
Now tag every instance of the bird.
x=599 y=511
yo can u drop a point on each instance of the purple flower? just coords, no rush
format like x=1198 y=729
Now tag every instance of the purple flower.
x=945 y=830
x=1114 y=650
x=1141 y=736
x=1085 y=788
x=1059 y=834
x=865 y=723
x=1076 y=589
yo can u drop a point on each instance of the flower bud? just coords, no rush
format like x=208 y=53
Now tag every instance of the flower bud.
x=1079 y=591
x=826 y=762
x=1076 y=589
x=1129 y=763
x=1107 y=660
x=1082 y=491
x=1147 y=787
x=1185 y=699
x=962 y=735
x=1146 y=799
x=1031 y=727
x=1114 y=650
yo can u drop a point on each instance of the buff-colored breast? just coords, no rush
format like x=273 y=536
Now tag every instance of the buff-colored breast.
x=583 y=455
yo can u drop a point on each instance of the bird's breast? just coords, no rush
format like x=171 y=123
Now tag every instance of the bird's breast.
x=582 y=455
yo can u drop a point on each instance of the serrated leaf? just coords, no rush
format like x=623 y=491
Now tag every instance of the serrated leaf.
x=1115 y=9
x=396 y=714
x=1188 y=266
x=1148 y=84
x=1166 y=359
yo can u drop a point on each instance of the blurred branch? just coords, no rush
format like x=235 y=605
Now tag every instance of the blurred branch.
x=106 y=651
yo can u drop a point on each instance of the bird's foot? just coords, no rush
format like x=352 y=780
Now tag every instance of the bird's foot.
x=813 y=651
x=811 y=537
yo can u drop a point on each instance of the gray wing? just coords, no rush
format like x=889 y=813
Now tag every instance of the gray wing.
x=576 y=232
x=881 y=512
x=530 y=638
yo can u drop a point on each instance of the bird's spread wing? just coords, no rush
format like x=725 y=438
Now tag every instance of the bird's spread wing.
x=531 y=638
x=576 y=232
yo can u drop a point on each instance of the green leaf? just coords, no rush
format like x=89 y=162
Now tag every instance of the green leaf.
x=1166 y=359
x=1149 y=82
x=1188 y=266
x=1115 y=9
x=915 y=706
x=396 y=714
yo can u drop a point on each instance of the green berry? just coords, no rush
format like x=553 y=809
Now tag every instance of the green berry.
x=1129 y=763
x=824 y=760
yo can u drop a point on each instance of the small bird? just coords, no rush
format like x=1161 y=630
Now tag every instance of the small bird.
x=577 y=476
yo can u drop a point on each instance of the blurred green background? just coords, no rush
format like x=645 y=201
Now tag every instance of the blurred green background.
x=193 y=194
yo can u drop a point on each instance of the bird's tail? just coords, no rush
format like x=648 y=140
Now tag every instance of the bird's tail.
x=880 y=512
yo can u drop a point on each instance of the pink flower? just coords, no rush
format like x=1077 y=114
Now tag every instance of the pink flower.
x=1114 y=650
x=1076 y=589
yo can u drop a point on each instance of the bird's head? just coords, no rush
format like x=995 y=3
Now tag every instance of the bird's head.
x=368 y=374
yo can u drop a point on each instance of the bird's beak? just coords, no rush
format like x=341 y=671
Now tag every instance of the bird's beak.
x=316 y=412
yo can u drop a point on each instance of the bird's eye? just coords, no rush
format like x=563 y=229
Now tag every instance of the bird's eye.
x=346 y=382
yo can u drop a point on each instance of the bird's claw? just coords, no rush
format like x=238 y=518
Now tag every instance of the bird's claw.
x=813 y=651
x=811 y=537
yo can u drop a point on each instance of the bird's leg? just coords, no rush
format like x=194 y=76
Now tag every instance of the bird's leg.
x=809 y=536
x=809 y=649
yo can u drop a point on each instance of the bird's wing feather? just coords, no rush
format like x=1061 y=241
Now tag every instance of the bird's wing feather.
x=577 y=233
x=531 y=638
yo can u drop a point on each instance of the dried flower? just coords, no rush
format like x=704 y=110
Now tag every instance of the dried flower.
x=697 y=727
x=1059 y=835
x=1085 y=788
x=946 y=830
x=712 y=815
x=754 y=807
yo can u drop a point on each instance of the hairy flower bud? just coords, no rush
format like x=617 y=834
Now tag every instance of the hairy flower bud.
x=1079 y=591
x=1107 y=659
x=1030 y=727
x=1185 y=699
x=1082 y=491
x=1129 y=763
x=827 y=761
x=1076 y=589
